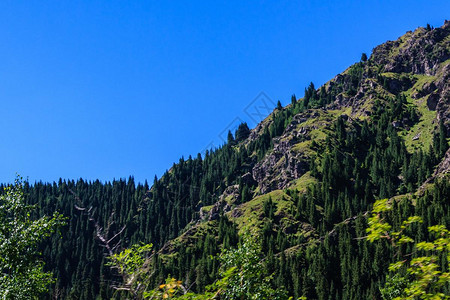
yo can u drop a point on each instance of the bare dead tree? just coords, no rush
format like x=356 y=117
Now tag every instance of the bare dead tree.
x=102 y=234
x=112 y=245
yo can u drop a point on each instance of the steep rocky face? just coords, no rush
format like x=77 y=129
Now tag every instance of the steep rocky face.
x=283 y=164
x=422 y=52
x=418 y=52
x=289 y=159
x=229 y=196
x=368 y=90
x=441 y=96
x=417 y=64
x=444 y=166
x=442 y=170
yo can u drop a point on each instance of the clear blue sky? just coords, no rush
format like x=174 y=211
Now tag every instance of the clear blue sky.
x=108 y=89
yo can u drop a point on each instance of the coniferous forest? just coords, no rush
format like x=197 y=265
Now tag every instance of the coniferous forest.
x=300 y=196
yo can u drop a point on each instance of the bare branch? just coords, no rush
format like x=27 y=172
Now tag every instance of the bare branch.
x=101 y=233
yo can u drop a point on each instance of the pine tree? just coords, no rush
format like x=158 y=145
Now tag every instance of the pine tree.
x=230 y=138
x=23 y=274
x=364 y=57
x=293 y=100
x=443 y=145
x=242 y=132
x=279 y=106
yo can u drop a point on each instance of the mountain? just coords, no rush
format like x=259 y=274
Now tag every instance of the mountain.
x=303 y=180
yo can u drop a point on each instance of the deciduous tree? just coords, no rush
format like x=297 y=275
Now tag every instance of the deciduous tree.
x=21 y=272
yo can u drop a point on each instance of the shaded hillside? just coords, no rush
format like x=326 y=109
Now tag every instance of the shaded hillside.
x=304 y=178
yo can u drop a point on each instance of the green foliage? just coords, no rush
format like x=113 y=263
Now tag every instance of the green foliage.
x=244 y=273
x=129 y=263
x=364 y=57
x=394 y=286
x=230 y=139
x=242 y=132
x=355 y=73
x=293 y=100
x=243 y=276
x=133 y=265
x=423 y=279
x=22 y=274
x=279 y=106
x=168 y=290
x=442 y=144
x=310 y=239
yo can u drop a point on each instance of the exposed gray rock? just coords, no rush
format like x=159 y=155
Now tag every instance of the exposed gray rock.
x=443 y=104
x=282 y=165
x=444 y=166
x=420 y=53
x=219 y=206
x=400 y=84
x=426 y=89
x=442 y=169
x=432 y=101
x=222 y=205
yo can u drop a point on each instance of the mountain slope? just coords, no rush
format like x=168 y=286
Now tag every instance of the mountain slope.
x=412 y=82
x=303 y=179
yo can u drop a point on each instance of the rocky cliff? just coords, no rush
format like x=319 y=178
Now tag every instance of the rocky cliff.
x=416 y=65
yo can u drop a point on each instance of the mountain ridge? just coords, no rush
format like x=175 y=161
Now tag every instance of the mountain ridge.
x=303 y=180
x=292 y=150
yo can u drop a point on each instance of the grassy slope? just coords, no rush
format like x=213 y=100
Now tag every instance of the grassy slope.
x=249 y=215
x=424 y=128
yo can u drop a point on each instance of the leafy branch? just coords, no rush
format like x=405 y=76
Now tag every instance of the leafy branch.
x=424 y=278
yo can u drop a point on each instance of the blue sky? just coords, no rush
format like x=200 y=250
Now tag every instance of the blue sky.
x=109 y=89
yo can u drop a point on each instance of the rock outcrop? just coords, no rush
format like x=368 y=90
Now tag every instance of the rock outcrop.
x=442 y=97
x=284 y=164
x=444 y=166
x=418 y=52
x=393 y=68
